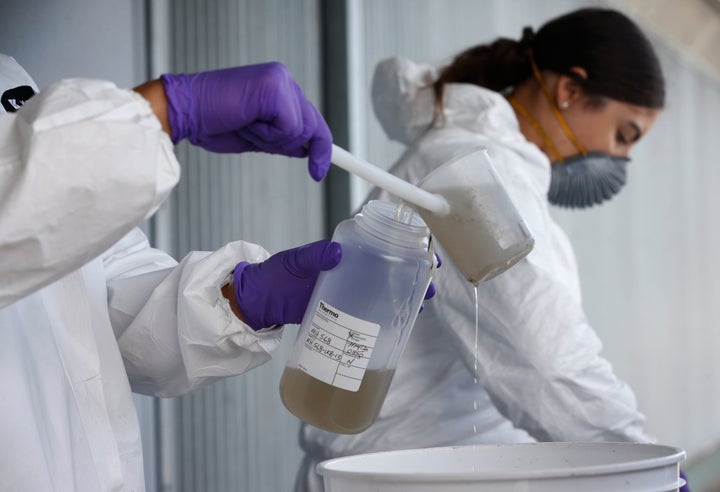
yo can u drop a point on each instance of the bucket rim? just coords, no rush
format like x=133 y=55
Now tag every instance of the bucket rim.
x=673 y=455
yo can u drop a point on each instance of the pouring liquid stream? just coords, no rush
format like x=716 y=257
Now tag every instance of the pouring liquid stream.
x=404 y=214
x=475 y=359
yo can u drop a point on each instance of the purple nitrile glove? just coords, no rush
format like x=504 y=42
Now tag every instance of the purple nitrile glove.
x=430 y=292
x=249 y=108
x=686 y=487
x=277 y=290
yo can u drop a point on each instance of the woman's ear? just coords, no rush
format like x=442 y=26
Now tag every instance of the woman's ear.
x=568 y=89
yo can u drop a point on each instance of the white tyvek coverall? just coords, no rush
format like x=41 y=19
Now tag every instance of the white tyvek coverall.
x=539 y=372
x=85 y=303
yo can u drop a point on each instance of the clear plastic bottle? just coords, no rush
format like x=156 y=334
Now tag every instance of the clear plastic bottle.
x=358 y=320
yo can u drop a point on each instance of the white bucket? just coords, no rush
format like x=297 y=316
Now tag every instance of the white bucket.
x=531 y=467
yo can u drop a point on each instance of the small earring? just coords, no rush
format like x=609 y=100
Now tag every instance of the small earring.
x=565 y=104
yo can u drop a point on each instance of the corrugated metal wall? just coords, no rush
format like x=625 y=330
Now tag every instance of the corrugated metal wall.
x=236 y=435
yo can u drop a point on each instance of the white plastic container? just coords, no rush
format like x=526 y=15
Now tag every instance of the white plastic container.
x=358 y=320
x=532 y=467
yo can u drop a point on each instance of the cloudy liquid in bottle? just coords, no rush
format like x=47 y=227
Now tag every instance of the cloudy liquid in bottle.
x=332 y=408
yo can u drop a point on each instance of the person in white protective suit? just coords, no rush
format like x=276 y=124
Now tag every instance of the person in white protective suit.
x=558 y=111
x=88 y=311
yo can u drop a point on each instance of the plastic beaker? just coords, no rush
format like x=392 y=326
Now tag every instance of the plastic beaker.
x=483 y=233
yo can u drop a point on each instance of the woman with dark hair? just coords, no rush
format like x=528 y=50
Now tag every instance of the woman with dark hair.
x=559 y=112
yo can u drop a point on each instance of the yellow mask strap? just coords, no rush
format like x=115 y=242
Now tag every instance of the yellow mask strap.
x=554 y=107
x=551 y=146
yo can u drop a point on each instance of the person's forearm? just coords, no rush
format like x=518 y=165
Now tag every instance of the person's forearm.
x=154 y=92
x=229 y=294
x=180 y=337
x=40 y=240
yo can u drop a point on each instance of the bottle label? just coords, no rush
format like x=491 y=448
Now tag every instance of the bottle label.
x=338 y=347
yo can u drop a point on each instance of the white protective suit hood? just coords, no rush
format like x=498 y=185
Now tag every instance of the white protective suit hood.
x=401 y=95
x=404 y=104
x=16 y=86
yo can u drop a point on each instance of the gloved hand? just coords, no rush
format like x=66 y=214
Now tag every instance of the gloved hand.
x=430 y=292
x=249 y=108
x=277 y=290
x=686 y=487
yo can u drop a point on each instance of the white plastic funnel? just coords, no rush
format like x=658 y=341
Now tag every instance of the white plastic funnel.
x=531 y=467
x=389 y=182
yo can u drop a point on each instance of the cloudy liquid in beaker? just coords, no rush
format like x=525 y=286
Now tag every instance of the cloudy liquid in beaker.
x=334 y=409
x=475 y=234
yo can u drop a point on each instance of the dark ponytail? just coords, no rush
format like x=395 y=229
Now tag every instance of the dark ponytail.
x=496 y=66
x=621 y=63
